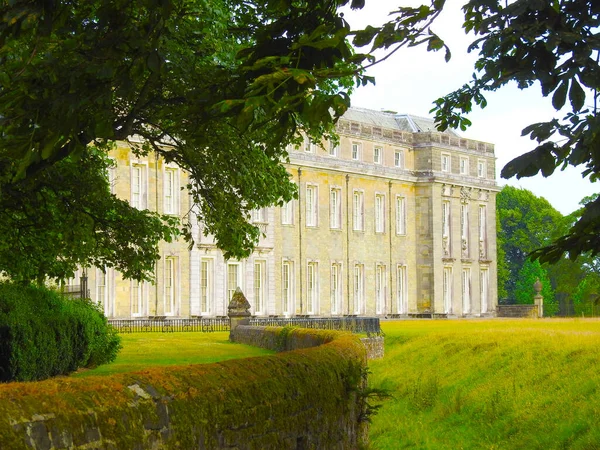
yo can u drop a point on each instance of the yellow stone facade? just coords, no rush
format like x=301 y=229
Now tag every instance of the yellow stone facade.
x=396 y=220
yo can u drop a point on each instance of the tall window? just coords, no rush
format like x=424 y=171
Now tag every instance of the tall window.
x=101 y=289
x=482 y=231
x=481 y=169
x=399 y=159
x=446 y=240
x=464 y=229
x=259 y=286
x=379 y=288
x=233 y=279
x=447 y=290
x=309 y=147
x=287 y=213
x=464 y=165
x=138 y=186
x=171 y=191
x=260 y=215
x=377 y=155
x=312 y=289
x=466 y=291
x=484 y=281
x=356 y=151
x=445 y=162
x=334 y=149
x=358 y=211
x=170 y=285
x=401 y=295
x=287 y=286
x=379 y=213
x=358 y=288
x=335 y=208
x=400 y=215
x=206 y=285
x=311 y=206
x=336 y=288
x=138 y=297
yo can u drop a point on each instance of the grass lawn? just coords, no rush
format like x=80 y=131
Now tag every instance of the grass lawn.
x=143 y=350
x=489 y=384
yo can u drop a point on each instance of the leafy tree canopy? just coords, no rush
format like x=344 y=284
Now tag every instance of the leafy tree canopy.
x=524 y=292
x=220 y=87
x=554 y=44
x=526 y=223
x=217 y=86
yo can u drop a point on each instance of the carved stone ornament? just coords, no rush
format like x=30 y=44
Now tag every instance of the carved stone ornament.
x=484 y=195
x=465 y=247
x=239 y=306
x=537 y=286
x=481 y=250
x=465 y=194
x=447 y=190
x=446 y=245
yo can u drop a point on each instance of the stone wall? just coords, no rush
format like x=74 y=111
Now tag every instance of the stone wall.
x=297 y=338
x=302 y=399
x=518 y=311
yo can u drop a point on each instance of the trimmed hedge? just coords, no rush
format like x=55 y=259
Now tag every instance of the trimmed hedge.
x=43 y=334
x=303 y=399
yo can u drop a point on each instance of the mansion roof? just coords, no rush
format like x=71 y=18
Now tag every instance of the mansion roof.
x=392 y=120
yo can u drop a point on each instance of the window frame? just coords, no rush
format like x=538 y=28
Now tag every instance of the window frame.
x=380 y=287
x=358 y=288
x=380 y=213
x=377 y=154
x=464 y=169
x=335 y=208
x=312 y=287
x=312 y=208
x=356 y=151
x=260 y=300
x=400 y=215
x=287 y=287
x=358 y=212
x=142 y=167
x=401 y=289
x=447 y=289
x=170 y=291
x=481 y=168
x=399 y=161
x=335 y=288
x=446 y=157
x=208 y=302
x=466 y=290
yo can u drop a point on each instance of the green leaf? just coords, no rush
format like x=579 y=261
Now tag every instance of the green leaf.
x=560 y=95
x=576 y=95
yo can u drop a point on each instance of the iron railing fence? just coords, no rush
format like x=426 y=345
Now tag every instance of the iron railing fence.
x=368 y=325
x=205 y=325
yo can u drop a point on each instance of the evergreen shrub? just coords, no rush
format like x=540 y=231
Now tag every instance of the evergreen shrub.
x=43 y=334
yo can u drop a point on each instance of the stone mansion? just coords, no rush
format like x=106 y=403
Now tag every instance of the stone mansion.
x=397 y=220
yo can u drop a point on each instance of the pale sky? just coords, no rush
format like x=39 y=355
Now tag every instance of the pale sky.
x=411 y=79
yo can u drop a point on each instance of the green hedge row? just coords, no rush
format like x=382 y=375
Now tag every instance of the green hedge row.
x=304 y=399
x=43 y=334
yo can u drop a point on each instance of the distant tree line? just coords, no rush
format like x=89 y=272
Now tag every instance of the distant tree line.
x=525 y=223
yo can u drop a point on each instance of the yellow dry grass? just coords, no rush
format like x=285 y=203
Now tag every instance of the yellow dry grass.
x=489 y=384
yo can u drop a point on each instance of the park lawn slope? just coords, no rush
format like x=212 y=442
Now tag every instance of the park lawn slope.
x=143 y=350
x=489 y=384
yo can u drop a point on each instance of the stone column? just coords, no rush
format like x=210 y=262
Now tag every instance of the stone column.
x=538 y=299
x=238 y=311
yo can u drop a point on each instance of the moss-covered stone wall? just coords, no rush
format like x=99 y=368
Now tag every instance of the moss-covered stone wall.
x=303 y=399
